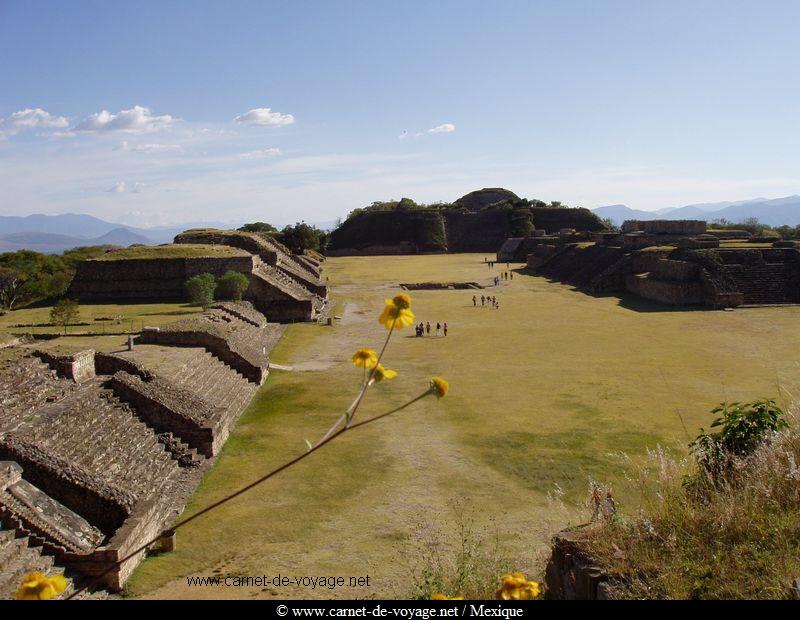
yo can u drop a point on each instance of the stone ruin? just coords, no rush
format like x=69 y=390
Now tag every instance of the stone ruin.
x=677 y=263
x=283 y=286
x=100 y=452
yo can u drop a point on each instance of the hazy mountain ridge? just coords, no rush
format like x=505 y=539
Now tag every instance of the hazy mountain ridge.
x=773 y=212
x=52 y=234
x=54 y=243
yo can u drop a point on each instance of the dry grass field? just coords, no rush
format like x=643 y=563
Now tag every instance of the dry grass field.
x=550 y=391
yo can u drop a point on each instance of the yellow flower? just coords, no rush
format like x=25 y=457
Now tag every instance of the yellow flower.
x=365 y=357
x=380 y=373
x=397 y=312
x=402 y=301
x=440 y=386
x=38 y=587
x=444 y=597
x=517 y=588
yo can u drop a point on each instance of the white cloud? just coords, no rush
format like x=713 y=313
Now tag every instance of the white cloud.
x=444 y=128
x=123 y=188
x=136 y=120
x=30 y=118
x=146 y=148
x=261 y=154
x=264 y=117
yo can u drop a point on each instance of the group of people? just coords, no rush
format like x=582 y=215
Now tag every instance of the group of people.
x=506 y=275
x=486 y=299
x=423 y=329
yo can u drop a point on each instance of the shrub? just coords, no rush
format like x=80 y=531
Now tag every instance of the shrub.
x=743 y=427
x=232 y=285
x=200 y=289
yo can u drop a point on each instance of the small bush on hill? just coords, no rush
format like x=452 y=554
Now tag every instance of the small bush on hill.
x=200 y=289
x=232 y=285
x=261 y=227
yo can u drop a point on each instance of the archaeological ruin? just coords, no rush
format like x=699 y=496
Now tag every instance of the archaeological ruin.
x=477 y=222
x=671 y=262
x=284 y=286
x=99 y=452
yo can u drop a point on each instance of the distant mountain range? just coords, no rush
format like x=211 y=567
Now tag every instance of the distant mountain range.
x=773 y=212
x=52 y=234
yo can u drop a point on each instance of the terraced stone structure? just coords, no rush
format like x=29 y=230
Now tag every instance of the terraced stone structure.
x=283 y=287
x=676 y=264
x=100 y=452
x=477 y=222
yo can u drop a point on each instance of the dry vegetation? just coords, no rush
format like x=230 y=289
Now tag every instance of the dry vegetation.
x=701 y=537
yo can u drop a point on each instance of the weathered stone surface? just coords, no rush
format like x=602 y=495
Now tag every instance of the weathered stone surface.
x=78 y=366
x=242 y=310
x=86 y=494
x=666 y=227
x=169 y=408
x=572 y=574
x=235 y=342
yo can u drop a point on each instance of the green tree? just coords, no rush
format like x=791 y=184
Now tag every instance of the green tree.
x=261 y=227
x=64 y=313
x=232 y=285
x=302 y=237
x=200 y=289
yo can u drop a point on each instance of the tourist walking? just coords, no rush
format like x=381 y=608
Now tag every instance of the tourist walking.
x=483 y=301
x=428 y=327
x=438 y=329
x=444 y=328
x=474 y=301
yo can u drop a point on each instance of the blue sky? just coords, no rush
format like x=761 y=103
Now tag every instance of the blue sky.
x=161 y=112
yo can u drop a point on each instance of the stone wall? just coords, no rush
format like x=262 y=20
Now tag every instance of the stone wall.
x=665 y=291
x=86 y=494
x=78 y=366
x=156 y=278
x=108 y=364
x=572 y=574
x=665 y=227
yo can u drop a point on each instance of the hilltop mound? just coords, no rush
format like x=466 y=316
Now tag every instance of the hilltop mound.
x=481 y=198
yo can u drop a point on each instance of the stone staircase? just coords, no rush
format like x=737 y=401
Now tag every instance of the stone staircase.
x=19 y=555
x=300 y=275
x=24 y=387
x=91 y=428
x=282 y=282
x=17 y=558
x=762 y=284
x=579 y=265
x=45 y=521
x=216 y=383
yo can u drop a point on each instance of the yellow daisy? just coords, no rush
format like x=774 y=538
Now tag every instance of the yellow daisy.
x=397 y=312
x=365 y=357
x=39 y=587
x=380 y=373
x=440 y=386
